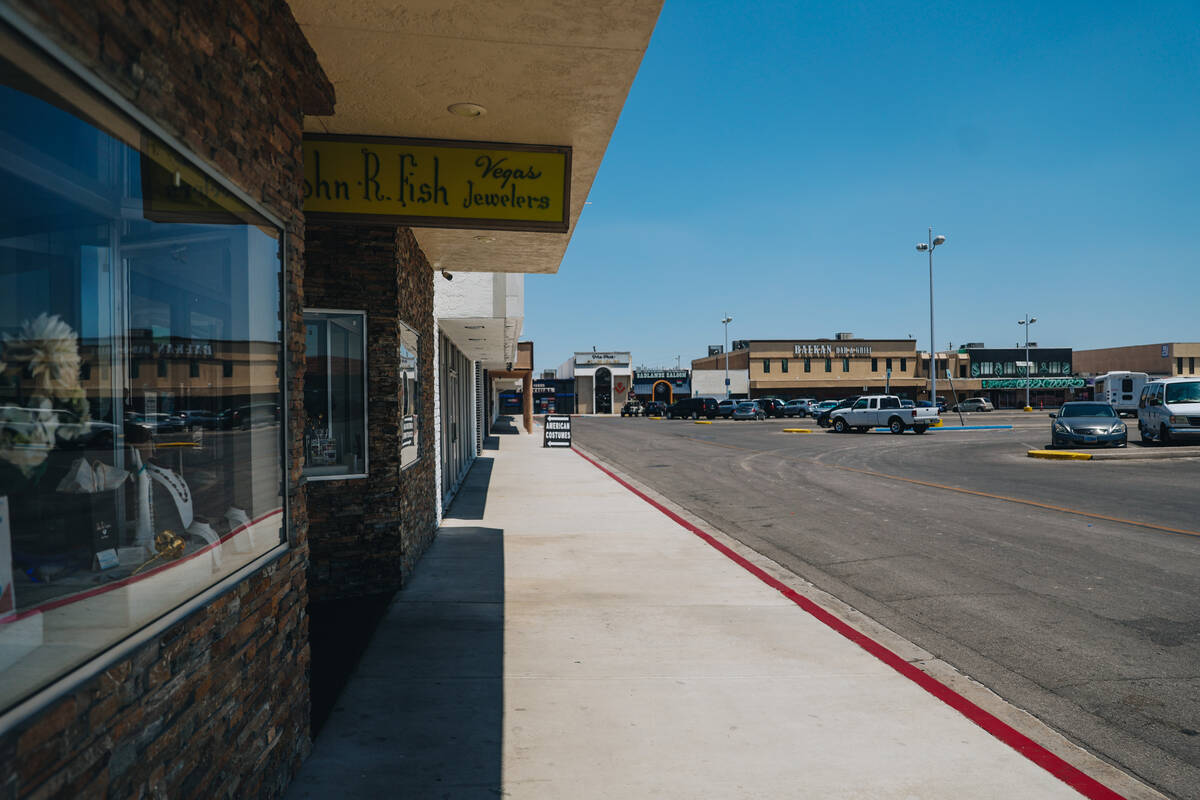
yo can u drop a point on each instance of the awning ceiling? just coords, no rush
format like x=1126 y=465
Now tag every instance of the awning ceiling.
x=547 y=72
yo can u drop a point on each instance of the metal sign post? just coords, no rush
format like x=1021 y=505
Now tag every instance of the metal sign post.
x=954 y=391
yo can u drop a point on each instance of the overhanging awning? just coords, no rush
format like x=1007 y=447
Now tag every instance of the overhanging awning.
x=547 y=72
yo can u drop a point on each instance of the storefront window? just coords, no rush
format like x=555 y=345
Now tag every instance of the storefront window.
x=410 y=396
x=141 y=455
x=335 y=391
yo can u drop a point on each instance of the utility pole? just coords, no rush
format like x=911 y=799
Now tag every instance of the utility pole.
x=728 y=319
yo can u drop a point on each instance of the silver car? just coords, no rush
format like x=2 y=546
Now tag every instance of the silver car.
x=748 y=409
x=975 y=404
x=1087 y=423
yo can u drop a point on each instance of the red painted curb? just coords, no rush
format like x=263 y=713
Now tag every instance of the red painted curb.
x=1055 y=765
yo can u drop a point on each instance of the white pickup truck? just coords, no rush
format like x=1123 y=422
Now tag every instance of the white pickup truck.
x=882 y=410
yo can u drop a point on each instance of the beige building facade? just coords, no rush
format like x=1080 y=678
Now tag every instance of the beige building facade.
x=1167 y=359
x=822 y=368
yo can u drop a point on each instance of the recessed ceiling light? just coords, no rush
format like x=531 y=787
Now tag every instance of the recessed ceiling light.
x=485 y=239
x=469 y=110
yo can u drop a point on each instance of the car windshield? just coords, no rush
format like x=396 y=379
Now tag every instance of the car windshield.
x=746 y=405
x=1088 y=410
x=1183 y=392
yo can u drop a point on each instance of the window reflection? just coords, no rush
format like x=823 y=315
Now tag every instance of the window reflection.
x=140 y=345
x=410 y=396
x=335 y=433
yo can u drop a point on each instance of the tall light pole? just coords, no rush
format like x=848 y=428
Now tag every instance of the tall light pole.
x=728 y=319
x=929 y=247
x=1028 y=369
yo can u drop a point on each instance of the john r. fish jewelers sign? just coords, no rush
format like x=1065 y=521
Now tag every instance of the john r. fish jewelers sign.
x=435 y=183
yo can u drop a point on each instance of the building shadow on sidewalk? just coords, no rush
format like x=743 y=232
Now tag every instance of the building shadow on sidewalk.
x=422 y=714
x=471 y=499
x=505 y=426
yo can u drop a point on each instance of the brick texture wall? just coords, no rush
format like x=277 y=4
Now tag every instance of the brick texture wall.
x=366 y=535
x=217 y=705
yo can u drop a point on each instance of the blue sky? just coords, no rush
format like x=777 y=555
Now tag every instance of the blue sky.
x=779 y=161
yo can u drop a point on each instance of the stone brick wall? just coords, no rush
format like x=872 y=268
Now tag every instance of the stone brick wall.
x=366 y=535
x=217 y=705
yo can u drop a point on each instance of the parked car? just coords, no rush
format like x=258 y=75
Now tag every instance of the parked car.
x=726 y=407
x=194 y=418
x=975 y=404
x=254 y=415
x=1169 y=410
x=632 y=409
x=823 y=418
x=820 y=408
x=162 y=423
x=795 y=408
x=876 y=410
x=771 y=406
x=654 y=408
x=749 y=409
x=906 y=403
x=1087 y=423
x=693 y=408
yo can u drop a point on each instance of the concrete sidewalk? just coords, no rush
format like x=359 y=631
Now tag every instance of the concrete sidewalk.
x=565 y=638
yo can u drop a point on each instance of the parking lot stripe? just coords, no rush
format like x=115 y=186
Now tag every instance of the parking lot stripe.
x=1073 y=776
x=1034 y=503
x=1059 y=455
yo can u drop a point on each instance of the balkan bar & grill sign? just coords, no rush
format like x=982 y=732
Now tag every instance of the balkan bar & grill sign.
x=436 y=183
x=557 y=429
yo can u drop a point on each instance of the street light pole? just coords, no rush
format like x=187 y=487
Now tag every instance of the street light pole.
x=1028 y=369
x=929 y=247
x=728 y=319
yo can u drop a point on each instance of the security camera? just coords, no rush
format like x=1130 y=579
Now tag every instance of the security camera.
x=447 y=275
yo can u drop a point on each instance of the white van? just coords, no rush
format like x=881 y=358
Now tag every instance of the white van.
x=1169 y=410
x=1121 y=390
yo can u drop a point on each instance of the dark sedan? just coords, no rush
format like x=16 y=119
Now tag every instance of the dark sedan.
x=771 y=406
x=1088 y=424
x=654 y=408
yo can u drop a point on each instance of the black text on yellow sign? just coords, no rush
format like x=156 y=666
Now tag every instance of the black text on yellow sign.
x=446 y=184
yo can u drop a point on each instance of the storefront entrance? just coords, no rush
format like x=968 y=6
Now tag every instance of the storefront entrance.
x=662 y=392
x=603 y=391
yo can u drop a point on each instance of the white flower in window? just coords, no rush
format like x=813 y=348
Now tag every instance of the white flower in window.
x=49 y=349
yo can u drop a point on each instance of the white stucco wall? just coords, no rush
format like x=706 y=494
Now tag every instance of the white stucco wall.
x=711 y=382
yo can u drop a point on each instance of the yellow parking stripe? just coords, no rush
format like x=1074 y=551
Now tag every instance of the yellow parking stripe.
x=1059 y=455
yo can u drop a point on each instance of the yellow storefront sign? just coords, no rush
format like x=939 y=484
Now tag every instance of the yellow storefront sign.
x=446 y=184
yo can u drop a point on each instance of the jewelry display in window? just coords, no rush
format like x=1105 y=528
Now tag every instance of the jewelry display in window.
x=322 y=447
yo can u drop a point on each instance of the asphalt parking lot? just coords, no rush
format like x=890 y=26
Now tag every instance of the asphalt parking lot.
x=1070 y=588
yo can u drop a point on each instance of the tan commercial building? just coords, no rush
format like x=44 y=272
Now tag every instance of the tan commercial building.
x=1167 y=359
x=823 y=368
x=827 y=369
